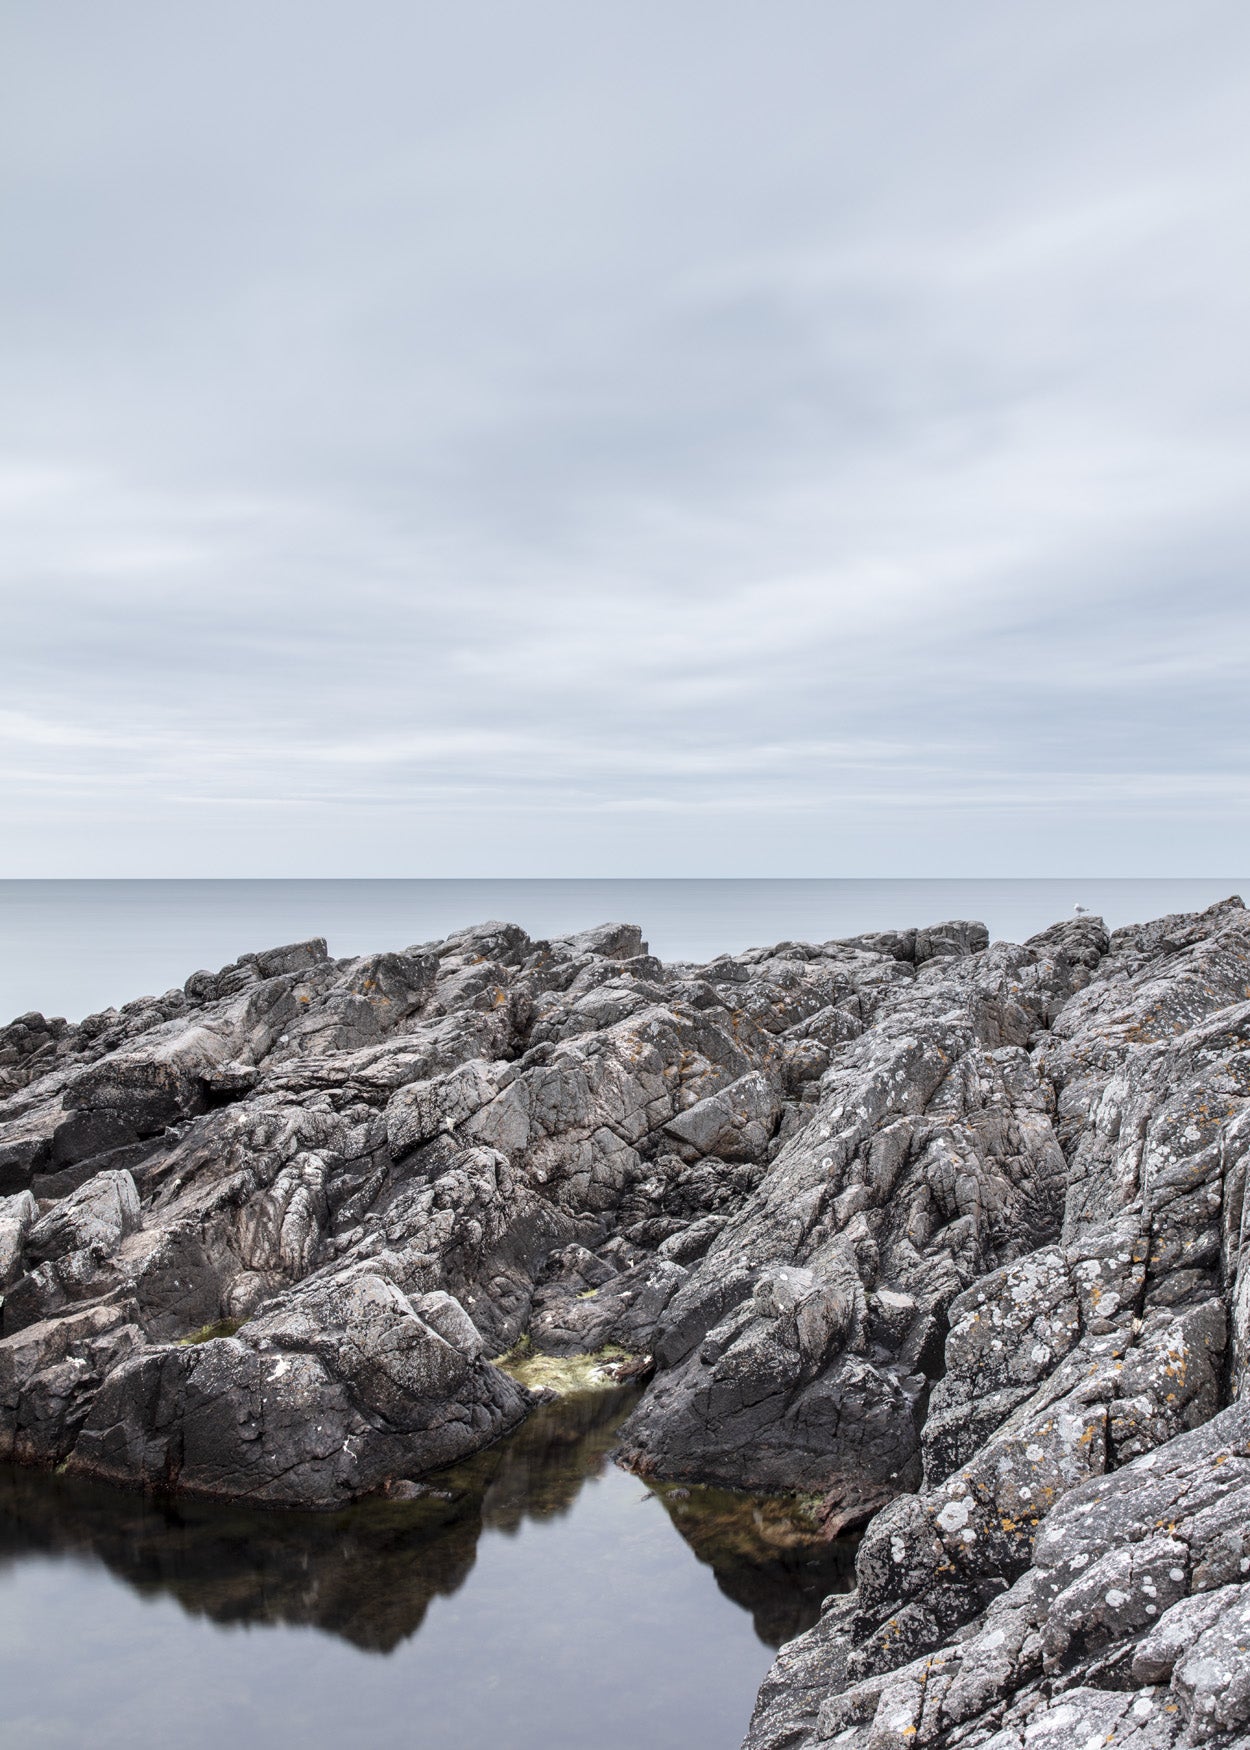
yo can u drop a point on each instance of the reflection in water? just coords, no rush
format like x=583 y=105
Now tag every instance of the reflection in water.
x=767 y=1552
x=367 y=1575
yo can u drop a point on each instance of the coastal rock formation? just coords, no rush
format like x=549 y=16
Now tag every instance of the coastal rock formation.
x=951 y=1235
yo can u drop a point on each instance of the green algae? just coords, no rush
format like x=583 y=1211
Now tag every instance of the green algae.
x=209 y=1333
x=566 y=1375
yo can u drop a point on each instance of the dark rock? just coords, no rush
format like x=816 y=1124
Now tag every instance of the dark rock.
x=21 y=1157
x=346 y=1386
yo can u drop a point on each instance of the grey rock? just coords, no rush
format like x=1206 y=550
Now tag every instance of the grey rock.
x=17 y=1216
x=735 y=1124
x=954 y=1233
x=343 y=1386
x=95 y=1218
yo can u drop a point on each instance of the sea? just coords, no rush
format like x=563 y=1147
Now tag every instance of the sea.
x=74 y=947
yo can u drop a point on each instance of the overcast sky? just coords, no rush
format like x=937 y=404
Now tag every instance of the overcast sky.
x=668 y=438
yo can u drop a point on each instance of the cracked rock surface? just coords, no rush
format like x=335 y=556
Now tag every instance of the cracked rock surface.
x=951 y=1234
x=1072 y=1566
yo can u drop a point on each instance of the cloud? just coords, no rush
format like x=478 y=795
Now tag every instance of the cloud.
x=827 y=429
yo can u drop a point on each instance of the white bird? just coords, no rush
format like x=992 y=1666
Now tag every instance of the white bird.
x=1082 y=911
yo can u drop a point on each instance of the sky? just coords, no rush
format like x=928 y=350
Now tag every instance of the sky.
x=683 y=438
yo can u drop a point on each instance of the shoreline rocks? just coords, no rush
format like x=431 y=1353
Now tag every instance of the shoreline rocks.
x=950 y=1234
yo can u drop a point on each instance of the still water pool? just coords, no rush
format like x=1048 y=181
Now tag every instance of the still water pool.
x=538 y=1598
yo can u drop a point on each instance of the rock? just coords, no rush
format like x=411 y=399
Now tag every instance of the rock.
x=625 y=1310
x=17 y=1216
x=423 y=1110
x=1076 y=1442
x=50 y=1374
x=345 y=1386
x=951 y=1235
x=95 y=1218
x=930 y=1154
x=736 y=1124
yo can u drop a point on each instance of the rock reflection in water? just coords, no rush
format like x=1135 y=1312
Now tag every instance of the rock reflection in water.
x=768 y=1554
x=369 y=1574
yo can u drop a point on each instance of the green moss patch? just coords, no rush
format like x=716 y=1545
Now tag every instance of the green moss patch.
x=207 y=1333
x=563 y=1374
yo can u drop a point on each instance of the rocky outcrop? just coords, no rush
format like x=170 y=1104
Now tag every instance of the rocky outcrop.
x=951 y=1235
x=1129 y=1625
x=1070 y=1568
x=342 y=1386
x=802 y=1348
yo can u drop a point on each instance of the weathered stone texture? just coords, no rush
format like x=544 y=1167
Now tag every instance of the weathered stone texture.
x=954 y=1233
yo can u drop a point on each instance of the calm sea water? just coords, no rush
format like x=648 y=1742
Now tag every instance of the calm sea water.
x=549 y=1601
x=71 y=947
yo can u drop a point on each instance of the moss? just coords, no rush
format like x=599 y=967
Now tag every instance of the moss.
x=563 y=1374
x=207 y=1333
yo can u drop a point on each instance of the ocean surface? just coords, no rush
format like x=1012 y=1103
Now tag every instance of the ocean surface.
x=72 y=947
